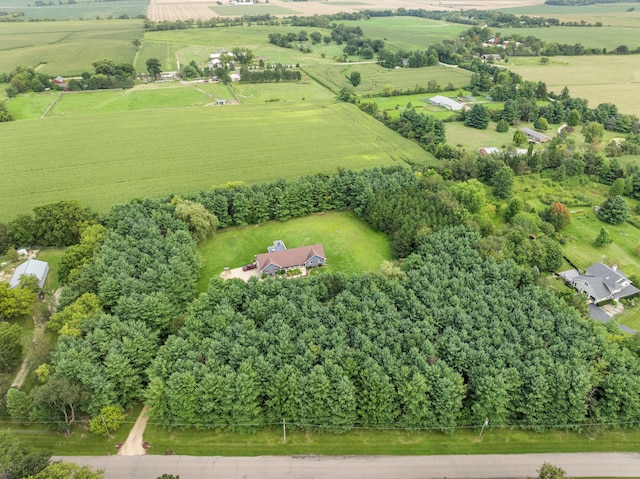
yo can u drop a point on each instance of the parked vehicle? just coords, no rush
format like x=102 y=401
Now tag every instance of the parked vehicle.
x=249 y=266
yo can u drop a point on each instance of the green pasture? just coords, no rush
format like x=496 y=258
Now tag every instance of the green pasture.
x=388 y=442
x=31 y=105
x=376 y=79
x=256 y=9
x=67 y=48
x=472 y=139
x=408 y=33
x=590 y=37
x=350 y=244
x=105 y=158
x=82 y=9
x=166 y=52
x=600 y=79
x=276 y=92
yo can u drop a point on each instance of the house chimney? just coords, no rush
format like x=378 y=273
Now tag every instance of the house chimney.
x=614 y=267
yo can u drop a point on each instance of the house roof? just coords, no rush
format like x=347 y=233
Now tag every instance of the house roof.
x=489 y=150
x=31 y=266
x=289 y=257
x=535 y=134
x=601 y=282
x=446 y=102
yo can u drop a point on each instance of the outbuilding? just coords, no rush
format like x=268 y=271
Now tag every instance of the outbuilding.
x=445 y=102
x=535 y=136
x=34 y=267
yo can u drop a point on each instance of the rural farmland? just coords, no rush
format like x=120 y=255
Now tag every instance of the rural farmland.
x=185 y=149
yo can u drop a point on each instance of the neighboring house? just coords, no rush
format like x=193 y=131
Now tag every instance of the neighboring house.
x=59 y=81
x=445 y=102
x=282 y=258
x=39 y=269
x=489 y=150
x=601 y=282
x=535 y=136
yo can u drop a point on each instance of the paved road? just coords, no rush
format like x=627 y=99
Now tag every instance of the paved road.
x=362 y=467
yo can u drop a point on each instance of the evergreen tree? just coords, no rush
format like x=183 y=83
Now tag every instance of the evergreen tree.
x=603 y=238
x=478 y=117
x=614 y=210
x=502 y=126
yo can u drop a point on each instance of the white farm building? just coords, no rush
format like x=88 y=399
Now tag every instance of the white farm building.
x=39 y=269
x=445 y=102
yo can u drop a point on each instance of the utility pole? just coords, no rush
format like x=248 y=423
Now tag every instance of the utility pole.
x=105 y=425
x=284 y=431
x=485 y=424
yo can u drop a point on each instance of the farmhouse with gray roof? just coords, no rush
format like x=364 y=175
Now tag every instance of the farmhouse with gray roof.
x=281 y=258
x=601 y=282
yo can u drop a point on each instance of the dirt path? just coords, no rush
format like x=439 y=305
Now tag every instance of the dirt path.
x=133 y=445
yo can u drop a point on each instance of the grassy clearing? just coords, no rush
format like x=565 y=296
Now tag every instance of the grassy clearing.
x=472 y=139
x=51 y=256
x=376 y=79
x=600 y=79
x=285 y=92
x=102 y=159
x=67 y=48
x=609 y=14
x=30 y=105
x=82 y=9
x=360 y=442
x=81 y=442
x=350 y=244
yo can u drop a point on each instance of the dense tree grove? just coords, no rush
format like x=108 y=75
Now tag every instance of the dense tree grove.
x=454 y=341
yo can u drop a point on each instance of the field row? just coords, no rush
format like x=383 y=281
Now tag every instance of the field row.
x=103 y=159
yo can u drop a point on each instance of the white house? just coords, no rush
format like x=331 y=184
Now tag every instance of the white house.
x=39 y=269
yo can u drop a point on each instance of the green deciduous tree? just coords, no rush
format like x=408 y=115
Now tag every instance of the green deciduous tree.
x=18 y=461
x=573 y=118
x=593 y=132
x=201 y=223
x=19 y=405
x=10 y=346
x=59 y=400
x=154 y=67
x=502 y=182
x=68 y=470
x=107 y=421
x=549 y=471
x=541 y=124
x=502 y=126
x=355 y=78
x=519 y=138
x=558 y=215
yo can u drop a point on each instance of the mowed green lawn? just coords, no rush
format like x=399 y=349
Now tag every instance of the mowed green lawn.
x=67 y=48
x=376 y=79
x=368 y=442
x=350 y=244
x=600 y=79
x=103 y=159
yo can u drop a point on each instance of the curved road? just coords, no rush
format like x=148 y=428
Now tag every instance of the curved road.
x=362 y=467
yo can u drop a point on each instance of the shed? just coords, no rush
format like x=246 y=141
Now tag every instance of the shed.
x=489 y=150
x=35 y=267
x=535 y=136
x=234 y=77
x=445 y=102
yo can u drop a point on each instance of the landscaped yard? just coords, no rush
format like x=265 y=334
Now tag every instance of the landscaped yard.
x=350 y=244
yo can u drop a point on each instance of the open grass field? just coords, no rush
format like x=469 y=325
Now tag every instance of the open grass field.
x=590 y=37
x=472 y=139
x=600 y=79
x=376 y=79
x=82 y=9
x=614 y=14
x=67 y=48
x=350 y=244
x=367 y=442
x=103 y=159
x=276 y=92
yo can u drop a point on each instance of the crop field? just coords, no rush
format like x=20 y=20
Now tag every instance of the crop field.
x=67 y=48
x=600 y=79
x=350 y=243
x=256 y=9
x=102 y=159
x=376 y=79
x=613 y=14
x=82 y=9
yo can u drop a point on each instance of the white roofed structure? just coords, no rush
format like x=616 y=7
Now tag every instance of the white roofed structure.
x=34 y=267
x=445 y=102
